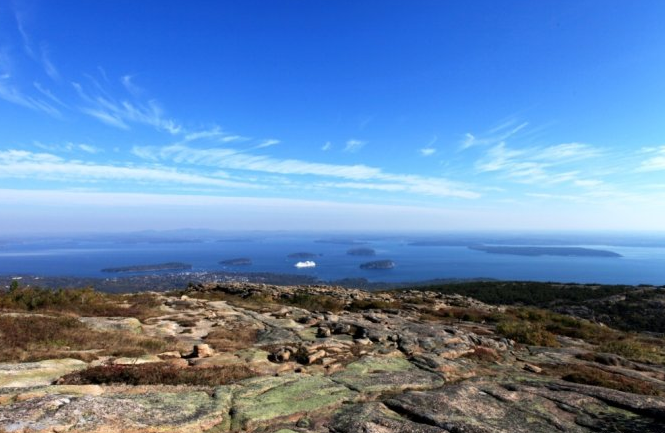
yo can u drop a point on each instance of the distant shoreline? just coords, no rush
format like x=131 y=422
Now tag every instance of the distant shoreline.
x=170 y=266
x=545 y=251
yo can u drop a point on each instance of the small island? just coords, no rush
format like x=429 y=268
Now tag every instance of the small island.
x=302 y=255
x=361 y=252
x=170 y=266
x=242 y=261
x=545 y=251
x=378 y=264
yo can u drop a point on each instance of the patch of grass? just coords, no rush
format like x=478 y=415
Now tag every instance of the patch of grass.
x=315 y=302
x=187 y=322
x=228 y=339
x=588 y=375
x=255 y=301
x=459 y=313
x=525 y=332
x=157 y=374
x=82 y=302
x=484 y=354
x=372 y=304
x=636 y=350
x=32 y=338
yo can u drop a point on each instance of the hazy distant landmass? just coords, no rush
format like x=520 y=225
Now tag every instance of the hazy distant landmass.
x=340 y=241
x=378 y=264
x=241 y=261
x=441 y=243
x=303 y=255
x=361 y=252
x=546 y=251
x=170 y=266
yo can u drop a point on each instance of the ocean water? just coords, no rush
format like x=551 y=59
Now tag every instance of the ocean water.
x=639 y=265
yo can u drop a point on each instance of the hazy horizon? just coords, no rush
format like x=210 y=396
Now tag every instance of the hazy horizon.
x=394 y=116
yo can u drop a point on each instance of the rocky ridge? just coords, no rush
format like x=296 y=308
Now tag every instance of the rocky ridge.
x=358 y=362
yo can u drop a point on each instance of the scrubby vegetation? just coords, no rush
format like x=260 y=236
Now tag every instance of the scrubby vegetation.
x=527 y=333
x=453 y=314
x=526 y=292
x=628 y=308
x=225 y=339
x=369 y=304
x=157 y=374
x=315 y=303
x=34 y=337
x=82 y=302
x=588 y=375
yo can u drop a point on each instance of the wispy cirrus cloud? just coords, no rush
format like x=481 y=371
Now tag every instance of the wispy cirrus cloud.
x=267 y=143
x=494 y=136
x=119 y=113
x=372 y=178
x=40 y=53
x=353 y=145
x=19 y=164
x=656 y=160
x=69 y=147
x=13 y=94
x=429 y=149
x=537 y=164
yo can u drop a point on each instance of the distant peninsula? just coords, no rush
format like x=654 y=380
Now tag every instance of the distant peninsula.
x=170 y=266
x=302 y=255
x=545 y=251
x=361 y=252
x=378 y=264
x=340 y=241
x=241 y=261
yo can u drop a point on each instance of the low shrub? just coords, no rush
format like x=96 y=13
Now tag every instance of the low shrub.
x=459 y=313
x=372 y=304
x=587 y=375
x=228 y=339
x=34 y=337
x=82 y=302
x=635 y=350
x=484 y=354
x=315 y=302
x=157 y=374
x=524 y=332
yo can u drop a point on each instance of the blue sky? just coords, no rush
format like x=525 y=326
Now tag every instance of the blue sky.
x=414 y=115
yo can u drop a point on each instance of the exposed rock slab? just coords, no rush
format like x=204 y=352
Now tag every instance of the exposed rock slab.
x=150 y=412
x=485 y=406
x=129 y=324
x=29 y=374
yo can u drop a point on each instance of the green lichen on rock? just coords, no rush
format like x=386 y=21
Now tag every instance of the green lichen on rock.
x=265 y=399
x=372 y=374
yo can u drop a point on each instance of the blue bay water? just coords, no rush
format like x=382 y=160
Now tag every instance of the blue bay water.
x=639 y=265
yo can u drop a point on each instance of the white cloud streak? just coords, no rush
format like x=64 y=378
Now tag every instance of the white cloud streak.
x=503 y=132
x=267 y=143
x=354 y=145
x=119 y=113
x=535 y=165
x=232 y=159
x=655 y=162
x=18 y=164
